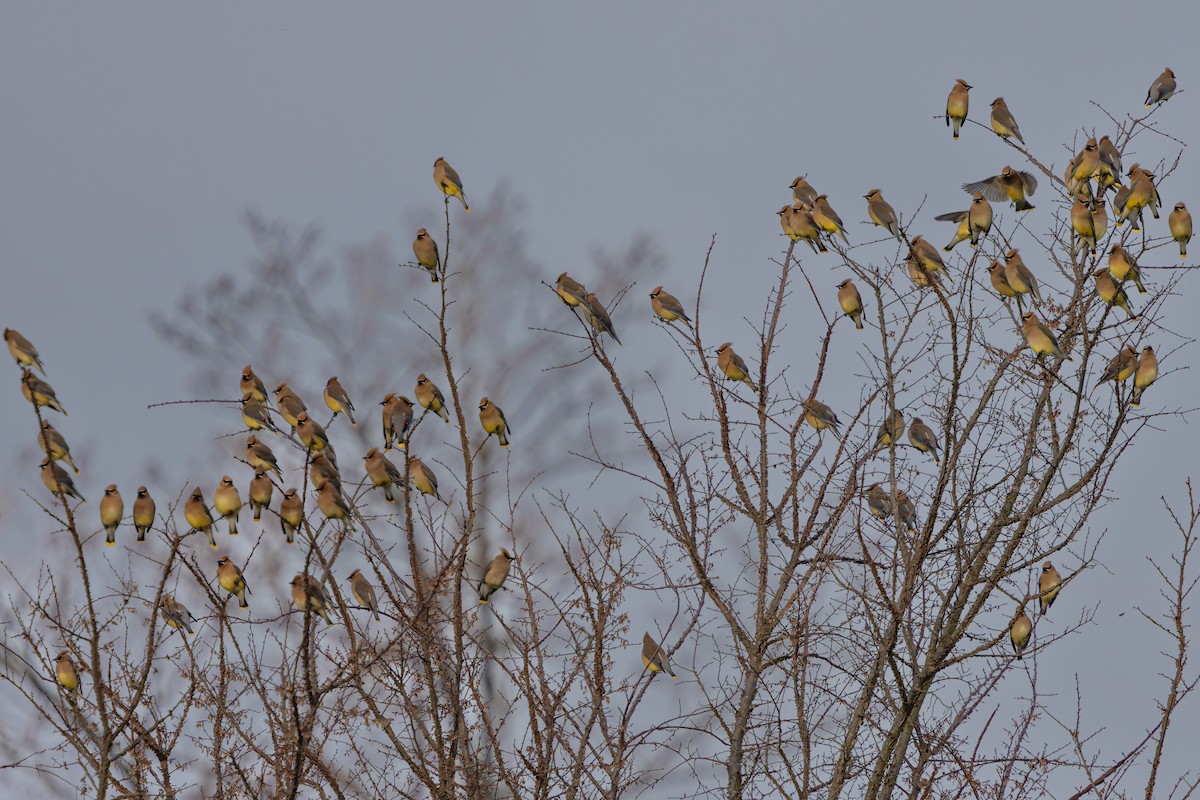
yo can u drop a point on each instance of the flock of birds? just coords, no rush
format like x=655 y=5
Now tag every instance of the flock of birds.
x=810 y=218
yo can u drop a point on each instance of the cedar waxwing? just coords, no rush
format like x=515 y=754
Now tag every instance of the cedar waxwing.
x=382 y=472
x=311 y=434
x=1111 y=293
x=1019 y=632
x=1003 y=122
x=1155 y=200
x=397 y=419
x=23 y=351
x=54 y=445
x=851 y=302
x=112 y=509
x=571 y=291
x=65 y=672
x=929 y=259
x=666 y=307
x=40 y=393
x=1019 y=277
x=803 y=192
x=308 y=595
x=495 y=575
x=733 y=366
x=963 y=232
x=827 y=219
x=1147 y=373
x=364 y=593
x=1010 y=184
x=922 y=437
x=1049 y=584
x=143 y=512
x=426 y=251
x=197 y=515
x=1123 y=266
x=260 y=456
x=890 y=430
x=176 y=615
x=1142 y=193
x=1000 y=282
x=1087 y=164
x=252 y=385
x=430 y=397
x=821 y=417
x=908 y=512
x=785 y=222
x=798 y=224
x=332 y=503
x=322 y=471
x=917 y=274
x=289 y=404
x=1180 y=222
x=1099 y=217
x=879 y=501
x=956 y=104
x=654 y=658
x=228 y=503
x=1110 y=163
x=979 y=218
x=291 y=513
x=423 y=478
x=56 y=479
x=1040 y=338
x=1161 y=90
x=255 y=415
x=1083 y=224
x=260 y=493
x=448 y=181
x=493 y=421
x=882 y=214
x=338 y=401
x=1121 y=368
x=232 y=580
x=599 y=318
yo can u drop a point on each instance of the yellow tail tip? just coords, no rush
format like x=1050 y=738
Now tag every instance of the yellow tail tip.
x=483 y=601
x=109 y=544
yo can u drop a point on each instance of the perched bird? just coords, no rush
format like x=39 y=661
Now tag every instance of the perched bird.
x=917 y=273
x=1147 y=373
x=495 y=575
x=260 y=493
x=1083 y=224
x=571 y=291
x=40 y=393
x=56 y=479
x=423 y=478
x=176 y=615
x=1121 y=367
x=308 y=595
x=65 y=672
x=1119 y=203
x=426 y=251
x=54 y=445
x=798 y=224
x=963 y=232
x=112 y=509
x=1010 y=184
x=929 y=259
x=1019 y=277
x=733 y=366
x=599 y=318
x=1003 y=122
x=827 y=219
x=1110 y=163
x=493 y=421
x=397 y=419
x=1123 y=266
x=364 y=593
x=382 y=472
x=979 y=218
x=821 y=417
x=448 y=181
x=255 y=415
x=879 y=501
x=922 y=437
x=1099 y=218
x=654 y=658
x=1019 y=632
x=803 y=192
x=291 y=513
x=338 y=401
x=231 y=580
x=1040 y=338
x=666 y=307
x=430 y=397
x=1161 y=90
x=251 y=385
x=1000 y=282
x=322 y=471
x=196 y=512
x=882 y=214
x=1142 y=193
x=23 y=351
x=957 y=103
x=890 y=430
x=311 y=434
x=228 y=503
x=332 y=503
x=289 y=404
x=1087 y=164
x=143 y=512
x=851 y=302
x=1180 y=222
x=260 y=456
x=908 y=512
x=1111 y=293
x=1049 y=584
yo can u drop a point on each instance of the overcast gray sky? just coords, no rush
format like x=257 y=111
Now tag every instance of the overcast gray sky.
x=135 y=135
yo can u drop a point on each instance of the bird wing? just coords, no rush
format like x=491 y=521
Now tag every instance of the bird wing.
x=991 y=188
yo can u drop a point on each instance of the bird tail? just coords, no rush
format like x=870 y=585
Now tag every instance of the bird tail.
x=1023 y=204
